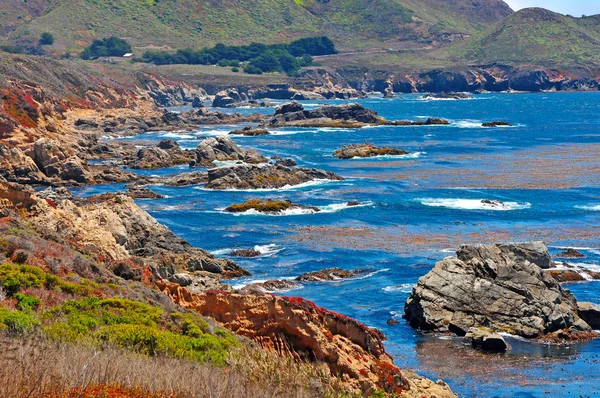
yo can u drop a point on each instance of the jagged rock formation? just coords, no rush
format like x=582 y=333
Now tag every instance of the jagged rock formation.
x=501 y=288
x=248 y=176
x=297 y=328
x=223 y=148
x=249 y=131
x=115 y=227
x=365 y=151
x=348 y=115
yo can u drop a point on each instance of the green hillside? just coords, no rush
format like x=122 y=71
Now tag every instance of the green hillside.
x=353 y=24
x=535 y=36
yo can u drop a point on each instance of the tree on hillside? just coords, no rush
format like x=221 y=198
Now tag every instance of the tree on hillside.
x=107 y=47
x=47 y=39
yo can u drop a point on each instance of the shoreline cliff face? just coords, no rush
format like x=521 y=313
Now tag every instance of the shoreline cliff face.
x=294 y=327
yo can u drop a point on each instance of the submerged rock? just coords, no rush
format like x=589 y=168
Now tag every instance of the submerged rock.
x=496 y=124
x=142 y=193
x=449 y=95
x=247 y=176
x=497 y=287
x=248 y=253
x=570 y=253
x=329 y=274
x=365 y=150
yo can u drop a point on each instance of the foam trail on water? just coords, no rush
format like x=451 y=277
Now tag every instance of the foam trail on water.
x=473 y=204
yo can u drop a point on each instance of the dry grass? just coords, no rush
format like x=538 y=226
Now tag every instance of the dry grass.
x=41 y=368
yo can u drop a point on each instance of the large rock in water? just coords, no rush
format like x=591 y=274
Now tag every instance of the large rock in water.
x=500 y=288
x=347 y=115
x=248 y=176
x=223 y=148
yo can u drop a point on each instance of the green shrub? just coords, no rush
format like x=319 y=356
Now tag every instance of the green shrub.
x=138 y=326
x=27 y=303
x=47 y=39
x=15 y=277
x=16 y=322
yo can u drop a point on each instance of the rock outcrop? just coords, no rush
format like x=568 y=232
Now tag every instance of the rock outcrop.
x=17 y=167
x=266 y=176
x=329 y=274
x=115 y=227
x=500 y=288
x=250 y=131
x=299 y=329
x=448 y=96
x=590 y=313
x=347 y=115
x=223 y=148
x=268 y=206
x=365 y=151
x=497 y=123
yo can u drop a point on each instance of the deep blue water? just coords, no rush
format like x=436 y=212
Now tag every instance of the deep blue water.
x=417 y=209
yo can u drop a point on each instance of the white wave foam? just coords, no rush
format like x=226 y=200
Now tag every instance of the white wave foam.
x=370 y=274
x=404 y=288
x=179 y=135
x=414 y=155
x=589 y=208
x=284 y=188
x=268 y=250
x=253 y=281
x=473 y=204
x=332 y=208
x=228 y=163
x=468 y=124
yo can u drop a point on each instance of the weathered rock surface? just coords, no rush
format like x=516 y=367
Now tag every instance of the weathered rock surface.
x=490 y=342
x=590 y=313
x=297 y=328
x=247 y=176
x=17 y=167
x=500 y=288
x=223 y=148
x=150 y=158
x=365 y=151
x=248 y=253
x=329 y=274
x=249 y=131
x=142 y=193
x=269 y=286
x=114 y=226
x=347 y=115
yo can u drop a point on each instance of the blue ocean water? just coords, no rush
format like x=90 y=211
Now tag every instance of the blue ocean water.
x=416 y=210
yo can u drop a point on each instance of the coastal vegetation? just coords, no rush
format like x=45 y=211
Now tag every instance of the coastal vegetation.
x=107 y=47
x=255 y=58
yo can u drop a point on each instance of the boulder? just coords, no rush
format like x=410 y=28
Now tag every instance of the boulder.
x=449 y=95
x=590 y=313
x=347 y=115
x=223 y=99
x=270 y=286
x=249 y=131
x=570 y=253
x=150 y=158
x=223 y=148
x=17 y=167
x=197 y=103
x=181 y=279
x=289 y=107
x=489 y=342
x=142 y=193
x=168 y=144
x=247 y=176
x=500 y=288
x=248 y=253
x=287 y=162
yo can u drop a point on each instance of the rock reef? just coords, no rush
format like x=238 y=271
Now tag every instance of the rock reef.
x=365 y=151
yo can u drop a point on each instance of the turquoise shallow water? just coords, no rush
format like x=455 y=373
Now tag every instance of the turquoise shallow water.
x=417 y=209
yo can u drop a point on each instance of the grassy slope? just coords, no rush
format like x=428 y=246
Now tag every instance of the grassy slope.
x=538 y=37
x=181 y=23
